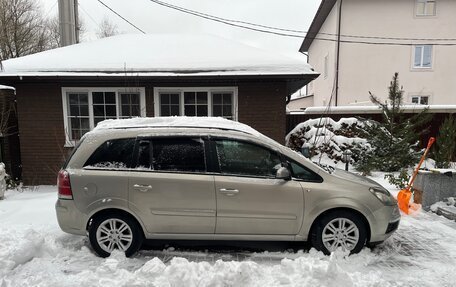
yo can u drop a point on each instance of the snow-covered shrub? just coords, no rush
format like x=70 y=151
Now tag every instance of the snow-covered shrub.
x=401 y=180
x=326 y=136
x=394 y=140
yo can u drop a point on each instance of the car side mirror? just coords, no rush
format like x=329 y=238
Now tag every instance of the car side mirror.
x=283 y=173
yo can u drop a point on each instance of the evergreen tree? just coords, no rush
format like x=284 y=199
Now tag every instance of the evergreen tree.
x=445 y=148
x=394 y=140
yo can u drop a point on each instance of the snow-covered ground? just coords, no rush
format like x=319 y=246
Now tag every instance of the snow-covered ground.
x=35 y=252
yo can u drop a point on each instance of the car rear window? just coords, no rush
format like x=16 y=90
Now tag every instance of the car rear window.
x=112 y=154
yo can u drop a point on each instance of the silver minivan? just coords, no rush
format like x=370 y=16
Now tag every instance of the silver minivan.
x=211 y=179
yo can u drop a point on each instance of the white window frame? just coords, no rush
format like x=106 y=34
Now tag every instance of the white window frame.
x=69 y=142
x=434 y=12
x=419 y=99
x=209 y=90
x=421 y=67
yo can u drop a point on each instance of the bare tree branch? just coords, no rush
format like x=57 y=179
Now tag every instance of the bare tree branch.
x=107 y=29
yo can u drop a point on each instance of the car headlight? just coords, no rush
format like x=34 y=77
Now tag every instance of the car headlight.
x=383 y=195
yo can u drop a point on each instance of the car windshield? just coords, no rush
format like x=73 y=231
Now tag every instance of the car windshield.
x=328 y=168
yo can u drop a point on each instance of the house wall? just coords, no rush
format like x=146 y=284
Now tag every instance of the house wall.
x=296 y=105
x=9 y=140
x=322 y=87
x=365 y=68
x=40 y=115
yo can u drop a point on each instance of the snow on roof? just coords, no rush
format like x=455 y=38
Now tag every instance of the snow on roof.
x=158 y=55
x=186 y=122
x=2 y=87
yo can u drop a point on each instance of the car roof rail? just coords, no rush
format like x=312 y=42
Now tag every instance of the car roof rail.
x=179 y=127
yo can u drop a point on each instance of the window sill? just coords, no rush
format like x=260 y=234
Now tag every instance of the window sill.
x=425 y=16
x=421 y=69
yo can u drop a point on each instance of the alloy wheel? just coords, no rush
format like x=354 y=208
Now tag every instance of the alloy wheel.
x=113 y=234
x=340 y=232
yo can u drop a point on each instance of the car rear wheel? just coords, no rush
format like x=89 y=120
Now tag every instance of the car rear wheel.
x=339 y=229
x=111 y=231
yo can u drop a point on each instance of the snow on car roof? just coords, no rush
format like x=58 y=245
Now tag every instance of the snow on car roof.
x=176 y=122
x=2 y=87
x=158 y=55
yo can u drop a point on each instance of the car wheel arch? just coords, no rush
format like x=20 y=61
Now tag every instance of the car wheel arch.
x=346 y=209
x=114 y=210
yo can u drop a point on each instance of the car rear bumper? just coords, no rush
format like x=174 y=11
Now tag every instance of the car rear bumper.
x=70 y=219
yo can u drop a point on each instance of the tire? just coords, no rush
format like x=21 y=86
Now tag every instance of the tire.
x=352 y=237
x=115 y=231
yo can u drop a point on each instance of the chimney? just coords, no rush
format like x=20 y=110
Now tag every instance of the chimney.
x=68 y=22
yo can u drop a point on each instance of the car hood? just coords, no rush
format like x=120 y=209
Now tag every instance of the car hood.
x=356 y=178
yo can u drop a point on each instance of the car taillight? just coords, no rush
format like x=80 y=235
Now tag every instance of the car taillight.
x=64 y=186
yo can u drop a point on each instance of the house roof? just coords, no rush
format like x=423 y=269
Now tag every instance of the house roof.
x=320 y=18
x=158 y=55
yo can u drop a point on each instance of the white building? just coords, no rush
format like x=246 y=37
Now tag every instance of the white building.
x=404 y=36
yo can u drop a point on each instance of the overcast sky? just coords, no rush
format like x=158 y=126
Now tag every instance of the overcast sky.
x=152 y=18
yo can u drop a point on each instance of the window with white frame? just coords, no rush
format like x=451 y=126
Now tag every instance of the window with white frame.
x=422 y=56
x=78 y=114
x=84 y=108
x=222 y=105
x=169 y=104
x=425 y=7
x=213 y=102
x=420 y=100
x=196 y=104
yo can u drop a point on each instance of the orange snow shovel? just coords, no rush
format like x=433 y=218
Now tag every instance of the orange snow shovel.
x=403 y=197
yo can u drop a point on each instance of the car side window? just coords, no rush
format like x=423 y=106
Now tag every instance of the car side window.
x=242 y=158
x=144 y=156
x=112 y=154
x=301 y=172
x=172 y=154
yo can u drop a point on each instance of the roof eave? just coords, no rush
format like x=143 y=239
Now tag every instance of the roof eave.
x=320 y=17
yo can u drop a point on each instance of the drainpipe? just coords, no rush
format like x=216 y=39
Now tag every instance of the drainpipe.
x=338 y=53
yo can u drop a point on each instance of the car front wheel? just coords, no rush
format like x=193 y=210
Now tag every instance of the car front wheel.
x=339 y=230
x=109 y=232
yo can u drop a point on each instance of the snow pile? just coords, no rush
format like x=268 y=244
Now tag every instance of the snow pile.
x=446 y=207
x=446 y=171
x=328 y=137
x=159 y=55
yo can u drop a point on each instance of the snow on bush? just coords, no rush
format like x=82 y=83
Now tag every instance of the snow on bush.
x=329 y=137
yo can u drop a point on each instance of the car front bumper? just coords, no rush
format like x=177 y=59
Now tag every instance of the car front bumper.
x=386 y=221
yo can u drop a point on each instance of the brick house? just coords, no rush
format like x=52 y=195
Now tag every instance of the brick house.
x=63 y=93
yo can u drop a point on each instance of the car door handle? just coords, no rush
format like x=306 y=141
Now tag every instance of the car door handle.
x=229 y=191
x=142 y=187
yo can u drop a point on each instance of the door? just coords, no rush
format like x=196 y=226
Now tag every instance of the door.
x=250 y=200
x=170 y=188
